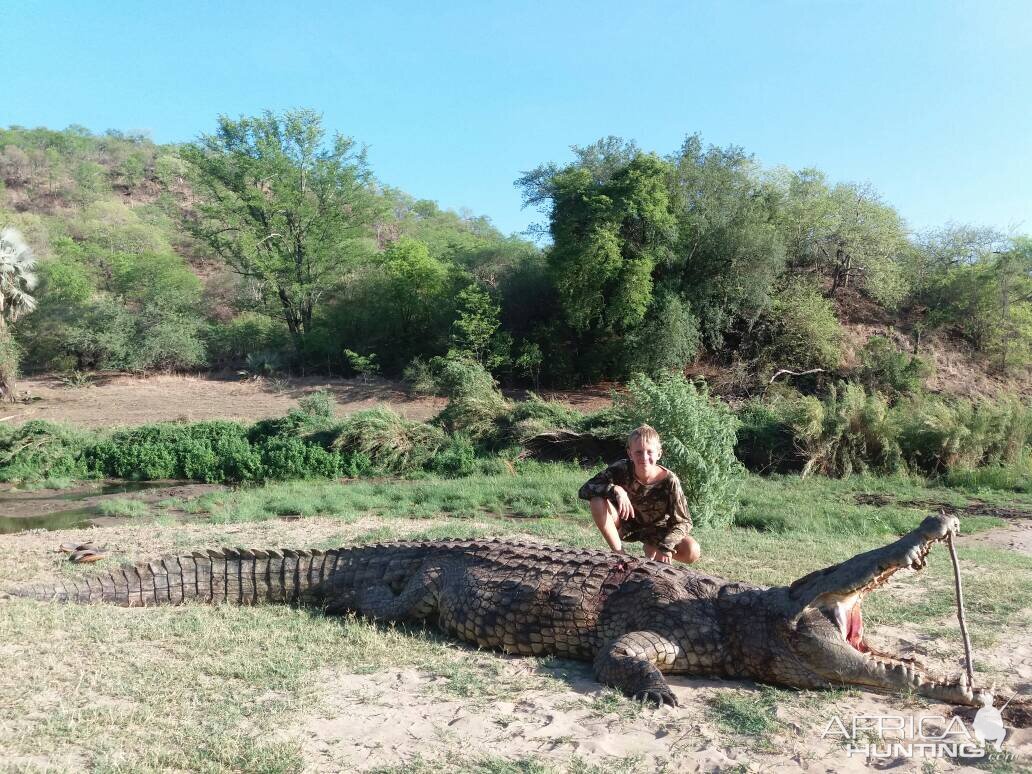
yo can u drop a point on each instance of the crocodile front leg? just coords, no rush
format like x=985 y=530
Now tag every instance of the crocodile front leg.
x=632 y=663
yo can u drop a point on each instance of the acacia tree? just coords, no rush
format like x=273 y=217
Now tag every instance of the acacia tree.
x=282 y=207
x=846 y=233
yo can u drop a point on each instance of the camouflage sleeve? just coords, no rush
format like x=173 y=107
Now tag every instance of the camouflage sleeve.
x=680 y=519
x=601 y=484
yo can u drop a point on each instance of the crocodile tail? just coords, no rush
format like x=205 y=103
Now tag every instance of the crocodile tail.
x=232 y=576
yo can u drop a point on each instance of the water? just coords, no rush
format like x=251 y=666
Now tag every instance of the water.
x=69 y=518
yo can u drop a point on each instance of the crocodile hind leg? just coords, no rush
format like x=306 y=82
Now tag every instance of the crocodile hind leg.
x=417 y=599
x=631 y=664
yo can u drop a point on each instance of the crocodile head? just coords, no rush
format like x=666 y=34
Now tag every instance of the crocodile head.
x=814 y=629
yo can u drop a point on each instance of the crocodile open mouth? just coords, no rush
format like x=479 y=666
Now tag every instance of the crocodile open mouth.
x=844 y=611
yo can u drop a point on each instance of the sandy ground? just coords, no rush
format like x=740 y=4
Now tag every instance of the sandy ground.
x=131 y=400
x=400 y=717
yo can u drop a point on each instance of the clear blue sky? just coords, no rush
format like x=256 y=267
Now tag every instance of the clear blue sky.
x=930 y=101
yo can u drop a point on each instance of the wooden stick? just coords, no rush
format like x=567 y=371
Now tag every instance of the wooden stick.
x=960 y=609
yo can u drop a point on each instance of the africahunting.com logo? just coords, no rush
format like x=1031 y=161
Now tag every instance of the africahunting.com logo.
x=919 y=736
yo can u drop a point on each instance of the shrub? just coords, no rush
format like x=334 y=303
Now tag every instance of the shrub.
x=142 y=453
x=229 y=344
x=286 y=457
x=221 y=453
x=800 y=331
x=531 y=417
x=669 y=337
x=40 y=450
x=848 y=432
x=456 y=459
x=765 y=441
x=885 y=368
x=698 y=441
x=318 y=404
x=389 y=442
x=938 y=435
x=474 y=401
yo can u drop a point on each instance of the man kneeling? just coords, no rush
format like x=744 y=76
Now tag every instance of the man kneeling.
x=637 y=499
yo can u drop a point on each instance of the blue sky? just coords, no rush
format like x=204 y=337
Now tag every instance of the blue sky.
x=931 y=102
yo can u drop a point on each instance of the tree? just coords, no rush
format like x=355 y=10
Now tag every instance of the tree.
x=282 y=207
x=728 y=253
x=475 y=331
x=1013 y=274
x=847 y=234
x=17 y=280
x=610 y=222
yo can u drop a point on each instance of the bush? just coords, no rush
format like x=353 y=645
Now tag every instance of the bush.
x=698 y=441
x=937 y=435
x=848 y=432
x=456 y=459
x=765 y=441
x=319 y=404
x=39 y=450
x=669 y=337
x=800 y=331
x=229 y=344
x=528 y=418
x=474 y=401
x=221 y=453
x=885 y=368
x=213 y=452
x=389 y=442
x=295 y=458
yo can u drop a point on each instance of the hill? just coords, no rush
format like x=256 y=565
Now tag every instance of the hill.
x=699 y=260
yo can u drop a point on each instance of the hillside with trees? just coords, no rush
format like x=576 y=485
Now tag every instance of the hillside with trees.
x=270 y=245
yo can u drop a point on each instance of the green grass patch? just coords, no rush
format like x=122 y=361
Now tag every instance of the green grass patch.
x=123 y=506
x=746 y=713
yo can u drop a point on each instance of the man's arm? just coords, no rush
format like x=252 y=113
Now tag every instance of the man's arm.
x=601 y=484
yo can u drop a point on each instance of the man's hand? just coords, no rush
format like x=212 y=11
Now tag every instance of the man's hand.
x=663 y=557
x=624 y=509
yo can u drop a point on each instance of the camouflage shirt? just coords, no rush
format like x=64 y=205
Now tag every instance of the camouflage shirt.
x=660 y=510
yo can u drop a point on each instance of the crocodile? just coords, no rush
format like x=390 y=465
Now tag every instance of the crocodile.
x=635 y=619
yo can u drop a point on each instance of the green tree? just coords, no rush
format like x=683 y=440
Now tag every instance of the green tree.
x=610 y=222
x=283 y=208
x=476 y=330
x=729 y=254
x=847 y=234
x=1013 y=280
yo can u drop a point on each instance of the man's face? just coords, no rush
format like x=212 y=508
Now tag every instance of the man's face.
x=644 y=455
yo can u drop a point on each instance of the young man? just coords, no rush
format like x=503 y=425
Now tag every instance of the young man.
x=637 y=499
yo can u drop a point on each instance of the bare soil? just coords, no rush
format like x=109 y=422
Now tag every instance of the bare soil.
x=120 y=399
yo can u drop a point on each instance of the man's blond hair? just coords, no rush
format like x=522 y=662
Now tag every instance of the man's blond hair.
x=646 y=434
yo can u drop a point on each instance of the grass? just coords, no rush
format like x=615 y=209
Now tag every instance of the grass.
x=123 y=506
x=231 y=689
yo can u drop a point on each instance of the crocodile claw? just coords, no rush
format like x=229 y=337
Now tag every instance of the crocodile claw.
x=659 y=698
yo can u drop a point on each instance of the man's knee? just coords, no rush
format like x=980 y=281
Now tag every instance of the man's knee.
x=689 y=551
